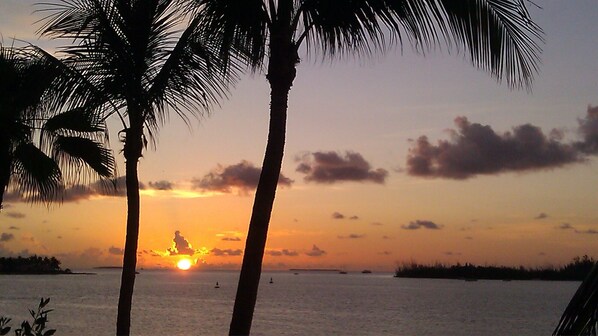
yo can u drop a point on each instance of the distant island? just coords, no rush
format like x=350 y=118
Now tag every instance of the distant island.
x=576 y=270
x=31 y=265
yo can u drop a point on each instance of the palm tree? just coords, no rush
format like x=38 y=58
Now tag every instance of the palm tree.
x=142 y=65
x=69 y=142
x=498 y=35
x=581 y=315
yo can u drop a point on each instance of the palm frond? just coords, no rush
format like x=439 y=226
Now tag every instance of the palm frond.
x=581 y=315
x=37 y=176
x=237 y=27
x=74 y=153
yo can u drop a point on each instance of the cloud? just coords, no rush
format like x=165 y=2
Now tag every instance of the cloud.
x=235 y=239
x=354 y=217
x=243 y=176
x=385 y=253
x=337 y=215
x=377 y=224
x=116 y=250
x=588 y=129
x=226 y=252
x=161 y=185
x=4 y=237
x=352 y=236
x=12 y=227
x=566 y=226
x=283 y=252
x=180 y=245
x=541 y=216
x=421 y=224
x=332 y=167
x=315 y=252
x=14 y=214
x=386 y=237
x=588 y=231
x=476 y=149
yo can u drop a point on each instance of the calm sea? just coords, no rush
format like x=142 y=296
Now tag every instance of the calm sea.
x=179 y=303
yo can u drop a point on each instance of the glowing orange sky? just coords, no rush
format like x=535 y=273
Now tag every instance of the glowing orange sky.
x=375 y=108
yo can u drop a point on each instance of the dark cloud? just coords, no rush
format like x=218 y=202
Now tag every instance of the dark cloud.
x=337 y=215
x=588 y=231
x=354 y=217
x=315 y=252
x=352 y=236
x=469 y=237
x=385 y=253
x=477 y=149
x=243 y=176
x=235 y=239
x=588 y=130
x=283 y=252
x=226 y=252
x=566 y=226
x=450 y=253
x=4 y=237
x=422 y=224
x=113 y=188
x=14 y=214
x=161 y=185
x=541 y=216
x=180 y=245
x=116 y=250
x=386 y=237
x=332 y=167
x=12 y=227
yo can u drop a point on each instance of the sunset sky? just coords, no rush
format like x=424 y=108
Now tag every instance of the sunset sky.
x=503 y=176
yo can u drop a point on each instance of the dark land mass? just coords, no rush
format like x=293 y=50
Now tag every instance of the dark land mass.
x=32 y=265
x=576 y=270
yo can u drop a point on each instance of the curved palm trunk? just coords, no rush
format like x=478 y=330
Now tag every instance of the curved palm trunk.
x=4 y=176
x=132 y=152
x=281 y=73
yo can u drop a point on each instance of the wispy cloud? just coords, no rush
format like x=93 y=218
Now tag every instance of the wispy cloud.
x=116 y=250
x=337 y=215
x=315 y=252
x=233 y=239
x=14 y=214
x=5 y=237
x=283 y=252
x=226 y=252
x=541 y=216
x=332 y=167
x=352 y=236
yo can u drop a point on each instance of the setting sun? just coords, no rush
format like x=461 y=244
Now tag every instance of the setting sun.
x=184 y=264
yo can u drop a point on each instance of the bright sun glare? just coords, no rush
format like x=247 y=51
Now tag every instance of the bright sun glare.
x=184 y=264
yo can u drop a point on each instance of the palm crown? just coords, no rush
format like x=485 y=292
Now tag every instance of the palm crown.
x=39 y=168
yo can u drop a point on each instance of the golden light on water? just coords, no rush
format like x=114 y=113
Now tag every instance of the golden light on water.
x=184 y=264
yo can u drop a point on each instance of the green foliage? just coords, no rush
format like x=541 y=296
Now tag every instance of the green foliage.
x=37 y=326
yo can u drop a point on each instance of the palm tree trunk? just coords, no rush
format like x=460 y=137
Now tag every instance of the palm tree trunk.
x=132 y=152
x=281 y=73
x=5 y=163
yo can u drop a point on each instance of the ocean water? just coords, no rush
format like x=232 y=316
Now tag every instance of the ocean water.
x=186 y=303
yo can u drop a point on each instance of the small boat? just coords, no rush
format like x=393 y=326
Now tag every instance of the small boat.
x=217 y=285
x=366 y=271
x=342 y=272
x=271 y=281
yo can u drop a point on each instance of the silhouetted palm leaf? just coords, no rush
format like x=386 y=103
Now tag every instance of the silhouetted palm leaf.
x=37 y=175
x=581 y=315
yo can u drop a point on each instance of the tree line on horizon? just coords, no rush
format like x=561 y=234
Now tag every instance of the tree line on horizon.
x=138 y=60
x=31 y=265
x=576 y=270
